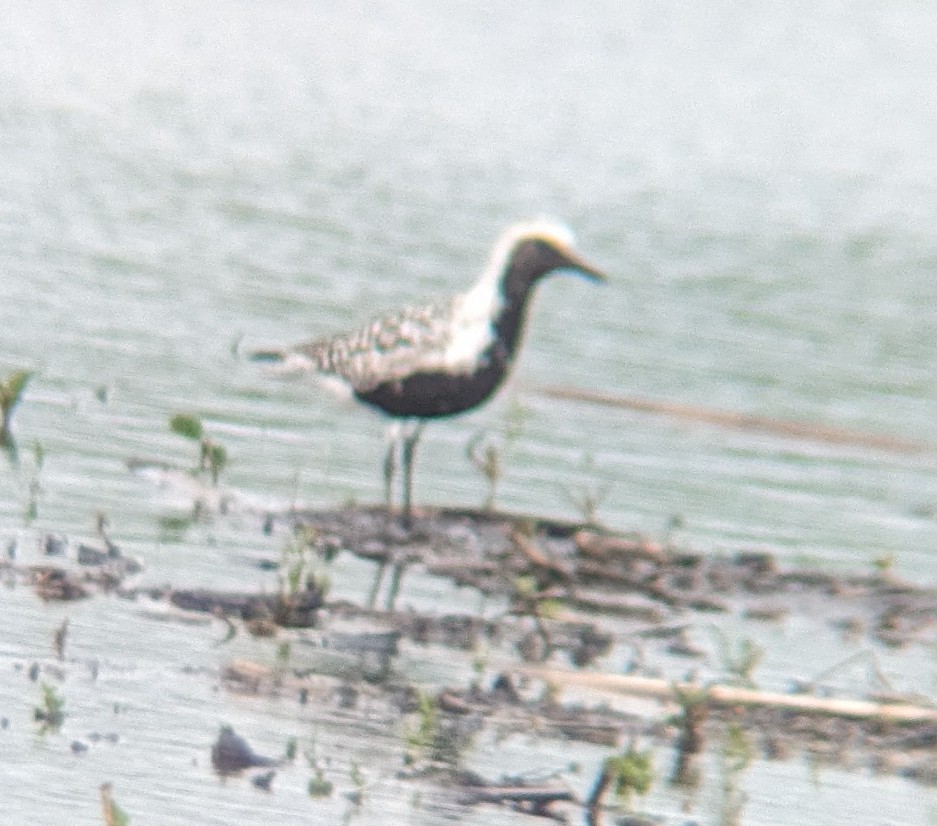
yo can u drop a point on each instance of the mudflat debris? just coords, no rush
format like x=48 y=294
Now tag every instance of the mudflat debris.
x=601 y=572
x=571 y=596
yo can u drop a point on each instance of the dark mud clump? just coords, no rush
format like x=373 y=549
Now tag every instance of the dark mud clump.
x=602 y=573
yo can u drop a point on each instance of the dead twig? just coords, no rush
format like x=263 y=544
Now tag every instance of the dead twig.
x=728 y=695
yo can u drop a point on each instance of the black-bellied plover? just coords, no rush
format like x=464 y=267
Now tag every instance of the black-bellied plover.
x=444 y=358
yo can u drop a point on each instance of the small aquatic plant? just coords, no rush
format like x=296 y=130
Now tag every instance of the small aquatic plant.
x=113 y=814
x=673 y=526
x=627 y=774
x=419 y=740
x=589 y=497
x=479 y=663
x=102 y=525
x=356 y=796
x=485 y=456
x=528 y=599
x=691 y=740
x=172 y=527
x=437 y=740
x=736 y=758
x=212 y=456
x=11 y=393
x=51 y=713
x=739 y=660
x=296 y=560
x=298 y=573
x=283 y=654
x=34 y=489
x=884 y=565
x=487 y=453
x=292 y=747
x=319 y=785
x=633 y=773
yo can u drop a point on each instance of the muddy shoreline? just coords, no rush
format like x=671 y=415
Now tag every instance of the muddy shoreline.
x=572 y=593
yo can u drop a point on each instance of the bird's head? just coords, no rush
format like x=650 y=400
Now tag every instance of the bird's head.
x=528 y=251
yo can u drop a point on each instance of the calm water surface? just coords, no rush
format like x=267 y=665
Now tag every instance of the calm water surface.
x=760 y=184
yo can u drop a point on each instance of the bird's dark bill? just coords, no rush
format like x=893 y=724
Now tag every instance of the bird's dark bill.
x=583 y=267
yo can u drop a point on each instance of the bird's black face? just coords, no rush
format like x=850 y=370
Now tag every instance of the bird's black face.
x=534 y=258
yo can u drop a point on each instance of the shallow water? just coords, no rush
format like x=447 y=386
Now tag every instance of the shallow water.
x=757 y=182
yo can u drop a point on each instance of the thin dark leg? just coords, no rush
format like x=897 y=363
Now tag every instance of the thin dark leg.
x=406 y=460
x=390 y=468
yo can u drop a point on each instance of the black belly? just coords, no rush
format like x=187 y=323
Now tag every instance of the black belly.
x=430 y=395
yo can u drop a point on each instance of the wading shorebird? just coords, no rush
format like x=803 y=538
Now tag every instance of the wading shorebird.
x=446 y=358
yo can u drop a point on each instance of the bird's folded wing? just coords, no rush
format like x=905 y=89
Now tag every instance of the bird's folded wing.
x=390 y=348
